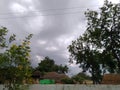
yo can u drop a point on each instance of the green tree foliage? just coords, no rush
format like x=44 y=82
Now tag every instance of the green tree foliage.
x=98 y=49
x=80 y=78
x=103 y=32
x=14 y=60
x=3 y=33
x=67 y=81
x=88 y=58
x=48 y=65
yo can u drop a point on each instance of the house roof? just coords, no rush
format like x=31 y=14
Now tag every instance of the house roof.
x=55 y=76
x=111 y=79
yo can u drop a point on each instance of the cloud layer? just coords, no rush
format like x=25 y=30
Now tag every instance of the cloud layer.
x=54 y=23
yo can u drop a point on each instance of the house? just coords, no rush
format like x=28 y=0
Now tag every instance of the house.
x=37 y=75
x=111 y=79
x=55 y=76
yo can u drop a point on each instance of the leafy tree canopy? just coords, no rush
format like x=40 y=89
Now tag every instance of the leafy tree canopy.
x=48 y=65
x=98 y=49
x=80 y=78
x=14 y=60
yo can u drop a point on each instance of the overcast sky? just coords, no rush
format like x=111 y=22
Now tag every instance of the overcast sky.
x=54 y=23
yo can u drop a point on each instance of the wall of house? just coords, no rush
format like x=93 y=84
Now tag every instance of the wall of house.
x=71 y=87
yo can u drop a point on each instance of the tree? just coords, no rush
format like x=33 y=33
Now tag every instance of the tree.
x=67 y=81
x=88 y=58
x=14 y=60
x=98 y=49
x=80 y=78
x=103 y=32
x=48 y=65
x=62 y=69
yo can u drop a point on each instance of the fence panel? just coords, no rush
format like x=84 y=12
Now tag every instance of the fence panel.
x=71 y=87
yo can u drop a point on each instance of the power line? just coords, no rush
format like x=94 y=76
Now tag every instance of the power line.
x=47 y=10
x=54 y=14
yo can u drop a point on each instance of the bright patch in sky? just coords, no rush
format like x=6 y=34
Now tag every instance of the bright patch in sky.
x=35 y=24
x=100 y=2
x=41 y=42
x=18 y=9
x=27 y=1
x=51 y=48
x=65 y=40
x=33 y=21
x=39 y=58
x=115 y=1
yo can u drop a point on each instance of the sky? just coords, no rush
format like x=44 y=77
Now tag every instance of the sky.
x=53 y=23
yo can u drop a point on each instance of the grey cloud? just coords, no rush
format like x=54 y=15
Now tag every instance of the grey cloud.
x=53 y=26
x=49 y=4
